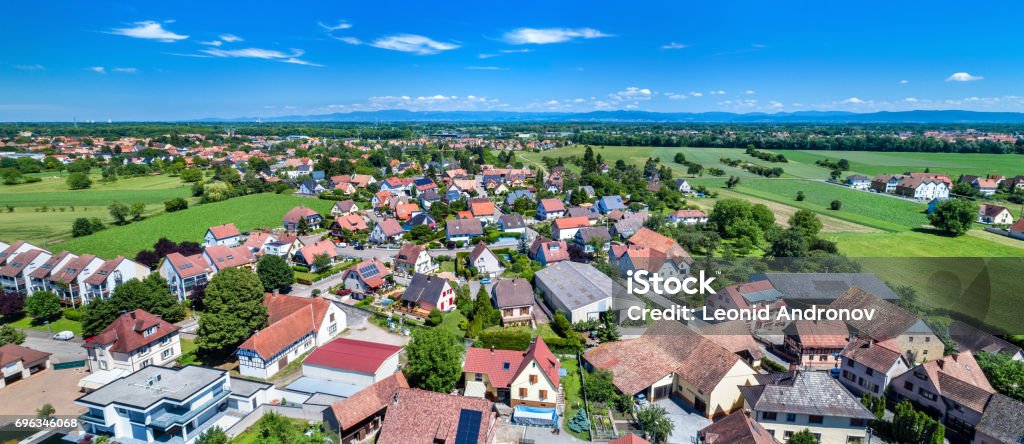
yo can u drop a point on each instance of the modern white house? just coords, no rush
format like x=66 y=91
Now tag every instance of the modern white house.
x=185 y=273
x=227 y=235
x=169 y=405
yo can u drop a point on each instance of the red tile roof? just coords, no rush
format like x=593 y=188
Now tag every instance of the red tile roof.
x=390 y=227
x=289 y=318
x=350 y=354
x=656 y=241
x=127 y=332
x=502 y=366
x=571 y=222
x=368 y=401
x=737 y=428
x=405 y=211
x=630 y=439
x=819 y=334
x=310 y=252
x=227 y=257
x=482 y=208
x=552 y=205
x=225 y=231
x=351 y=222
x=293 y=215
x=960 y=378
x=188 y=266
x=17 y=264
x=101 y=274
x=421 y=417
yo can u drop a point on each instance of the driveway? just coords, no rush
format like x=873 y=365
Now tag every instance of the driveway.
x=56 y=387
x=507 y=433
x=370 y=332
x=62 y=351
x=687 y=422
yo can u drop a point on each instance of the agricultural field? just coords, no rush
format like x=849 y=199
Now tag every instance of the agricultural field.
x=873 y=163
x=42 y=212
x=247 y=212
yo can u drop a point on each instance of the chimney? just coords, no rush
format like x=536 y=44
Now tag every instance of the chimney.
x=492 y=348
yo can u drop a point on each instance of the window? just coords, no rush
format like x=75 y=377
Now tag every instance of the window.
x=768 y=416
x=479 y=377
x=909 y=386
x=543 y=394
x=144 y=350
x=147 y=363
x=790 y=417
x=927 y=339
x=854 y=439
x=815 y=419
x=331 y=318
x=787 y=434
x=770 y=432
x=857 y=422
x=851 y=363
x=926 y=394
x=332 y=329
x=869 y=371
x=522 y=392
x=533 y=379
x=166 y=353
x=911 y=339
x=103 y=365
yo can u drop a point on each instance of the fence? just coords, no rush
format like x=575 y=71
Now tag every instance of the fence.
x=69 y=364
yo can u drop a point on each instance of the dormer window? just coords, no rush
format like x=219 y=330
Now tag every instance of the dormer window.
x=149 y=331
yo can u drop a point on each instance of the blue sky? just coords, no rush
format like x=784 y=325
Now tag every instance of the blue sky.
x=183 y=60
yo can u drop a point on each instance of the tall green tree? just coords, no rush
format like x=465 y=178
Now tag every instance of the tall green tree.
x=435 y=360
x=954 y=216
x=234 y=311
x=119 y=211
x=78 y=181
x=274 y=272
x=97 y=315
x=43 y=306
x=655 y=423
x=806 y=221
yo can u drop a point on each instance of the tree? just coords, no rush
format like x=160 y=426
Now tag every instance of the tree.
x=119 y=211
x=806 y=221
x=800 y=196
x=43 y=306
x=320 y=261
x=763 y=216
x=151 y=294
x=1005 y=374
x=136 y=210
x=12 y=304
x=274 y=272
x=598 y=386
x=234 y=311
x=954 y=216
x=78 y=181
x=176 y=204
x=435 y=318
x=10 y=335
x=82 y=226
x=834 y=174
x=679 y=158
x=655 y=423
x=46 y=411
x=97 y=315
x=788 y=243
x=803 y=437
x=845 y=165
x=434 y=360
x=836 y=205
x=912 y=426
x=213 y=435
x=191 y=175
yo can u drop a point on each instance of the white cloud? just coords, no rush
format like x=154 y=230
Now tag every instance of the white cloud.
x=437 y=102
x=674 y=45
x=962 y=77
x=124 y=70
x=148 y=30
x=632 y=93
x=257 y=53
x=515 y=51
x=717 y=93
x=904 y=82
x=416 y=44
x=749 y=91
x=696 y=94
x=338 y=27
x=230 y=38
x=578 y=100
x=486 y=68
x=212 y=43
x=97 y=69
x=910 y=99
x=349 y=40
x=543 y=36
x=853 y=101
x=30 y=67
x=486 y=56
x=674 y=96
x=775 y=104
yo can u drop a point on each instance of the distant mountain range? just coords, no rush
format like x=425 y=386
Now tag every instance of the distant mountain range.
x=397 y=115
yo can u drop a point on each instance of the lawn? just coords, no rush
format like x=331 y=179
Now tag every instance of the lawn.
x=54 y=327
x=872 y=163
x=573 y=394
x=247 y=212
x=43 y=211
x=188 y=353
x=922 y=244
x=451 y=323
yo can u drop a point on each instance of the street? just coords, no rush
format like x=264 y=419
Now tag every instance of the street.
x=62 y=351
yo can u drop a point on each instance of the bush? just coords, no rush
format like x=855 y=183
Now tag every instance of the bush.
x=176 y=204
x=505 y=338
x=73 y=314
x=78 y=181
x=300 y=268
x=800 y=196
x=836 y=205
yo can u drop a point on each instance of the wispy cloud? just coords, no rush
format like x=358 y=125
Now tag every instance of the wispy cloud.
x=36 y=67
x=963 y=77
x=412 y=43
x=128 y=70
x=904 y=82
x=150 y=30
x=264 y=54
x=212 y=43
x=336 y=27
x=543 y=36
x=230 y=38
x=674 y=45
x=854 y=101
x=349 y=40
x=97 y=69
x=486 y=68
x=486 y=56
x=515 y=51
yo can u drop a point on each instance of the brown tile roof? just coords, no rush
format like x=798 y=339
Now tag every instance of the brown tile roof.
x=733 y=336
x=959 y=378
x=126 y=333
x=513 y=293
x=351 y=222
x=421 y=417
x=50 y=266
x=71 y=269
x=667 y=347
x=188 y=266
x=390 y=227
x=878 y=356
x=364 y=271
x=289 y=318
x=551 y=251
x=293 y=215
x=13 y=352
x=478 y=250
x=888 y=322
x=819 y=334
x=101 y=274
x=408 y=254
x=15 y=265
x=368 y=401
x=226 y=257
x=225 y=231
x=466 y=227
x=737 y=428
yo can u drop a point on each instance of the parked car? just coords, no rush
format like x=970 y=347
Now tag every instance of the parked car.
x=65 y=335
x=485 y=281
x=342 y=244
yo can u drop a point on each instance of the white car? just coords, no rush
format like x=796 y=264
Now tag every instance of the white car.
x=65 y=335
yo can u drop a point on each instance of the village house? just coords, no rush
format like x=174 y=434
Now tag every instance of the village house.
x=365 y=278
x=923 y=188
x=483 y=209
x=310 y=187
x=485 y=261
x=858 y=181
x=360 y=416
x=593 y=239
x=970 y=338
x=736 y=428
x=307 y=256
x=514 y=298
x=547 y=251
x=512 y=223
x=985 y=187
x=404 y=212
x=607 y=204
x=421 y=417
x=954 y=386
x=226 y=234
x=344 y=208
x=549 y=208
x=815 y=344
x=1002 y=422
x=1016 y=230
x=220 y=257
x=683 y=186
x=785 y=404
x=134 y=340
x=868 y=366
x=566 y=227
x=428 y=292
x=292 y=219
x=386 y=231
x=17 y=363
x=687 y=217
x=344 y=225
x=412 y=258
x=295 y=325
x=914 y=338
x=14 y=276
x=994 y=215
x=886 y=183
x=184 y=274
x=463 y=230
x=651 y=251
x=580 y=291
x=110 y=275
x=9 y=251
x=529 y=378
x=672 y=360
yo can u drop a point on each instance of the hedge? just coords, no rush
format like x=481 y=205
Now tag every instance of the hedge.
x=504 y=338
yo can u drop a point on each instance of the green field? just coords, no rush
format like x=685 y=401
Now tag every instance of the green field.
x=953 y=164
x=247 y=212
x=43 y=211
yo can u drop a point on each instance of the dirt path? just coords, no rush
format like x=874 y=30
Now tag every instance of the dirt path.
x=783 y=212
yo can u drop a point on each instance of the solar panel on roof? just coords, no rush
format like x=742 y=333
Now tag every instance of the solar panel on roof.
x=469 y=427
x=369 y=270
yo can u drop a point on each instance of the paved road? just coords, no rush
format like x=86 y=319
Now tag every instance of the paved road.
x=63 y=351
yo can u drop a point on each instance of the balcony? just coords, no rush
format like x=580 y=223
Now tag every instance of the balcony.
x=182 y=417
x=86 y=417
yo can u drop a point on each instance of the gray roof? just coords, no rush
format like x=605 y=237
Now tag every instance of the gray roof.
x=511 y=221
x=827 y=286
x=612 y=203
x=970 y=338
x=806 y=393
x=152 y=384
x=1003 y=420
x=247 y=387
x=424 y=287
x=464 y=227
x=587 y=233
x=513 y=195
x=575 y=285
x=513 y=293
